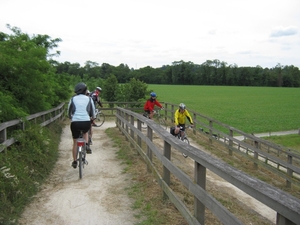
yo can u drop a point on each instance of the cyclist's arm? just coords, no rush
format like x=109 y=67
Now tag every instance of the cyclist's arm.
x=176 y=118
x=188 y=116
x=158 y=104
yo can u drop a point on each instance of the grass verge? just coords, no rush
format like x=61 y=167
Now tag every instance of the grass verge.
x=147 y=194
x=24 y=167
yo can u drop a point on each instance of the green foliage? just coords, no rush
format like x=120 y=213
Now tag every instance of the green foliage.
x=24 y=167
x=110 y=89
x=134 y=91
x=250 y=109
x=9 y=110
x=26 y=76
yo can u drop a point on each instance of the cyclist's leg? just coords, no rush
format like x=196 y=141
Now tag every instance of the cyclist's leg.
x=75 y=135
x=146 y=113
x=91 y=131
x=151 y=115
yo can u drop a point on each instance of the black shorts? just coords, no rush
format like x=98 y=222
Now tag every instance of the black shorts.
x=78 y=126
x=183 y=127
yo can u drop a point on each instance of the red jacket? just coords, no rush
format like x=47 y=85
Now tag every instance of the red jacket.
x=150 y=103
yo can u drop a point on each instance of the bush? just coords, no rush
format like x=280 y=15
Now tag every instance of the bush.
x=24 y=167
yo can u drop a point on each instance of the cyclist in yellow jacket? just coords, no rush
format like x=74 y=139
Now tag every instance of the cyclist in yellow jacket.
x=180 y=117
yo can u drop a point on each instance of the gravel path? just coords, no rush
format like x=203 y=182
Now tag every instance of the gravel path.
x=98 y=198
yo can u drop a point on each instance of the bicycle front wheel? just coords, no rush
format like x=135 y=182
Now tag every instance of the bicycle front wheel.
x=186 y=140
x=100 y=118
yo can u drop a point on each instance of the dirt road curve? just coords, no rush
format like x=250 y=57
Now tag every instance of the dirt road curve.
x=99 y=198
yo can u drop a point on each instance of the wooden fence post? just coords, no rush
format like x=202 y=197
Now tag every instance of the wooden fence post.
x=131 y=130
x=289 y=171
x=230 y=141
x=166 y=172
x=149 y=152
x=255 y=155
x=200 y=179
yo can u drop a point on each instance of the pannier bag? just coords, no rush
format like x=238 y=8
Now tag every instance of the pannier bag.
x=172 y=130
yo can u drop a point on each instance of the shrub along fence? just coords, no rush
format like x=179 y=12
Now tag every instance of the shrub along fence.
x=130 y=124
x=42 y=118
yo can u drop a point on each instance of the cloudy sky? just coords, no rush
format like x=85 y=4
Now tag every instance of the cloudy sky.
x=153 y=33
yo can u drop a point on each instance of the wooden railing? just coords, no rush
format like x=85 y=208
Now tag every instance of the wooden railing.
x=278 y=159
x=42 y=118
x=129 y=123
x=262 y=153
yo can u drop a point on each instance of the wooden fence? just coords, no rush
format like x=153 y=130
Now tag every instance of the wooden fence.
x=261 y=152
x=42 y=118
x=278 y=159
x=129 y=123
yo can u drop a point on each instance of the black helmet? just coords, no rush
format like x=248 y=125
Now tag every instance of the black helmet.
x=80 y=88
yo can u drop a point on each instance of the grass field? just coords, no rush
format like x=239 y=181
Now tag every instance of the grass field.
x=250 y=109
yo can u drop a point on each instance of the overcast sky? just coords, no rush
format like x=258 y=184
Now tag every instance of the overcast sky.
x=154 y=33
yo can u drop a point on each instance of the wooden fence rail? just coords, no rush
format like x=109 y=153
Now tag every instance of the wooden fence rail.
x=42 y=118
x=278 y=159
x=262 y=152
x=129 y=123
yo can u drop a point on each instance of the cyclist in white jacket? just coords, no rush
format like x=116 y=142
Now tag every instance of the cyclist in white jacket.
x=80 y=110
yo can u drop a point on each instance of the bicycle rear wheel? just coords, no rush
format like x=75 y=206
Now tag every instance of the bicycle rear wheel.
x=100 y=118
x=80 y=163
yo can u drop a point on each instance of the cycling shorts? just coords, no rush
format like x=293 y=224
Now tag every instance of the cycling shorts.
x=77 y=126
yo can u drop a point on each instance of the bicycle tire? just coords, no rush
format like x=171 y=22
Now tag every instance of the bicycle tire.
x=80 y=163
x=186 y=140
x=100 y=118
x=90 y=139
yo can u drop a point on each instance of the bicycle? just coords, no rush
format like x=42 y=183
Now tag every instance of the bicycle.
x=158 y=117
x=81 y=153
x=100 y=117
x=183 y=137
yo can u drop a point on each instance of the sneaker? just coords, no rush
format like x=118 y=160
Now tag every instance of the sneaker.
x=95 y=125
x=74 y=164
x=88 y=150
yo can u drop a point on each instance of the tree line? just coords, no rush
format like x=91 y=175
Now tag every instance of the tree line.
x=211 y=72
x=32 y=81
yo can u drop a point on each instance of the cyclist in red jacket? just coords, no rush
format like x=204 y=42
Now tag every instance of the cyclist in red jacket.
x=150 y=103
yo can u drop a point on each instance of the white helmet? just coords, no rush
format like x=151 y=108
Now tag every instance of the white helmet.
x=181 y=106
x=99 y=88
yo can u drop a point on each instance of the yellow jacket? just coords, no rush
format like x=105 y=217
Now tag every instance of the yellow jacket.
x=180 y=118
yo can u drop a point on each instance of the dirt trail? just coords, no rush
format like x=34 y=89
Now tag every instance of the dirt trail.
x=99 y=198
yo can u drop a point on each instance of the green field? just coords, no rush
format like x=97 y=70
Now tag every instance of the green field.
x=250 y=109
